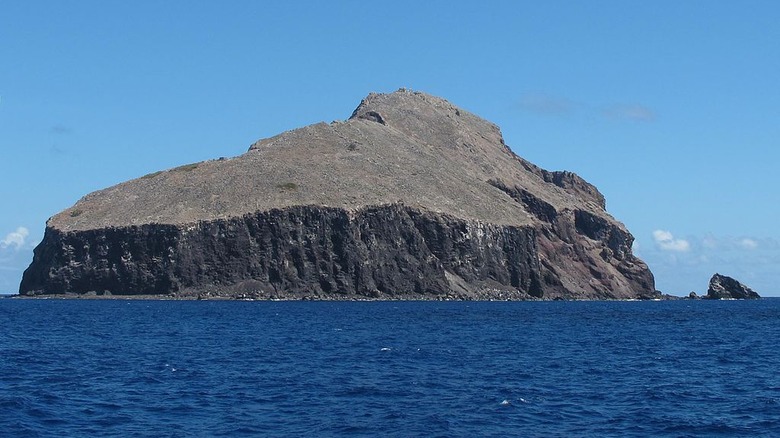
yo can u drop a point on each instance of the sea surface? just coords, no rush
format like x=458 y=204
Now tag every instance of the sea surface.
x=241 y=368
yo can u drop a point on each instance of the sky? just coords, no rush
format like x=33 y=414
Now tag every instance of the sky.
x=671 y=108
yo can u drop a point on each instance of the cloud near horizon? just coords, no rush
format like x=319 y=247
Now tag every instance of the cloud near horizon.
x=748 y=243
x=551 y=105
x=665 y=240
x=745 y=243
x=15 y=239
x=753 y=260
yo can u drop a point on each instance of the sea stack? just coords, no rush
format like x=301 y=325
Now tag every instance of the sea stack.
x=723 y=287
x=409 y=198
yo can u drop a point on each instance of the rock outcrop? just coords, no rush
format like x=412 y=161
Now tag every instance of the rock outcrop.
x=724 y=288
x=411 y=197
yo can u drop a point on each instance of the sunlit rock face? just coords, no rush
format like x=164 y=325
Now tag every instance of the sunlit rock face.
x=723 y=287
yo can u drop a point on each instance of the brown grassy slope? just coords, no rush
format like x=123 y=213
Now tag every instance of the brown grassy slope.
x=402 y=147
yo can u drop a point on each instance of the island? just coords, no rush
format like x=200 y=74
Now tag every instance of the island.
x=411 y=197
x=723 y=287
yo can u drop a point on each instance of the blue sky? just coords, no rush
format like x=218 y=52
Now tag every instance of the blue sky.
x=672 y=109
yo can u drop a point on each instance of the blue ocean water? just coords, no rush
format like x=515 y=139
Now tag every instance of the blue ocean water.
x=238 y=368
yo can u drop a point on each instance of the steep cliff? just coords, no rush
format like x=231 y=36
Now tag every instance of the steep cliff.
x=411 y=197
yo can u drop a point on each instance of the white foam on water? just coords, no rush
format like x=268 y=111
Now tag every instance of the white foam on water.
x=385 y=349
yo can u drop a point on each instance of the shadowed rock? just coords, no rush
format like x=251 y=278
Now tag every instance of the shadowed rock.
x=411 y=197
x=723 y=287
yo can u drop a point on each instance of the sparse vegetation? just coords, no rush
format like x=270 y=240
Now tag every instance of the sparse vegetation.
x=186 y=168
x=76 y=212
x=287 y=186
x=352 y=146
x=151 y=175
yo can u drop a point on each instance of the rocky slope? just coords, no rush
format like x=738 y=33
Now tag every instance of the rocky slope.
x=411 y=197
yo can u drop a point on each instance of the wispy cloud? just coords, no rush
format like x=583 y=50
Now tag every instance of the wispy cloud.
x=709 y=242
x=541 y=103
x=635 y=248
x=15 y=239
x=552 y=105
x=731 y=243
x=634 y=112
x=666 y=241
x=748 y=243
x=60 y=130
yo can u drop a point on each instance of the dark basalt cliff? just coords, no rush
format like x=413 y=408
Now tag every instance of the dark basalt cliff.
x=409 y=198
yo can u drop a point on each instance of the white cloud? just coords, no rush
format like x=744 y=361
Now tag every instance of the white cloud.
x=666 y=241
x=709 y=242
x=15 y=239
x=748 y=243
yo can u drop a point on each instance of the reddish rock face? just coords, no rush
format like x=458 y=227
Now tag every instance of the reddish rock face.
x=409 y=198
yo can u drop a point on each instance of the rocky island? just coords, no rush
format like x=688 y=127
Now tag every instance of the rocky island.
x=410 y=198
x=723 y=287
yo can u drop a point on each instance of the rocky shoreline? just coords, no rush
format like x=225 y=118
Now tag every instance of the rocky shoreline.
x=486 y=296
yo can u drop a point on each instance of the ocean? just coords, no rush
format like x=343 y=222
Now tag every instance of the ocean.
x=138 y=368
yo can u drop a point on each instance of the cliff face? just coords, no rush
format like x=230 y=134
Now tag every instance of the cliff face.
x=409 y=198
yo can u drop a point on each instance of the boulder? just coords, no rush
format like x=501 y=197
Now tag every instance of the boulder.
x=723 y=288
